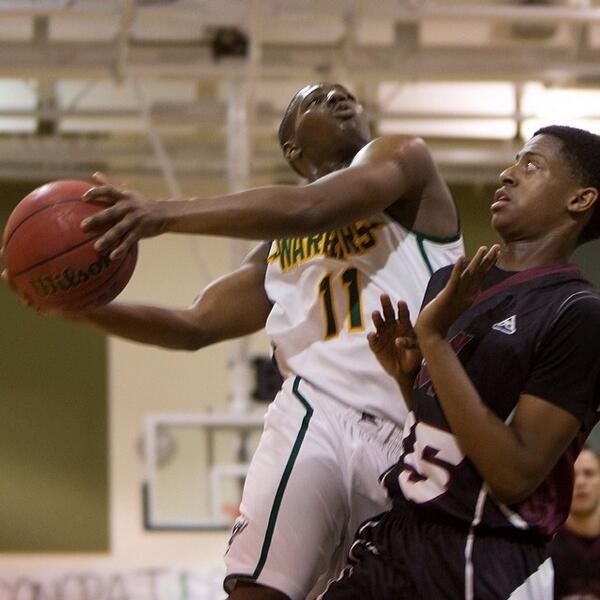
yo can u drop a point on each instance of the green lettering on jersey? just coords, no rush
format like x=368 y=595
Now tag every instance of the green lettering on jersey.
x=298 y=250
x=339 y=243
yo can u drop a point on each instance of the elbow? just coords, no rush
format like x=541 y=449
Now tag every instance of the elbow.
x=509 y=495
x=513 y=487
x=189 y=335
x=194 y=340
x=189 y=344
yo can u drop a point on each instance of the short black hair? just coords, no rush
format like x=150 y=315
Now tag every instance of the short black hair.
x=581 y=149
x=286 y=127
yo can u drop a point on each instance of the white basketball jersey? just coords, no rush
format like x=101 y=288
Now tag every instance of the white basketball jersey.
x=324 y=288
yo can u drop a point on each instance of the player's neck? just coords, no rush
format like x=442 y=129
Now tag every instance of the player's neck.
x=326 y=168
x=585 y=525
x=524 y=254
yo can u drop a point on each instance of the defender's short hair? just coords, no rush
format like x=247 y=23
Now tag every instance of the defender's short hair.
x=581 y=150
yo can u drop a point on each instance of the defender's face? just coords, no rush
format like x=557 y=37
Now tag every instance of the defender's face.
x=329 y=116
x=586 y=493
x=535 y=191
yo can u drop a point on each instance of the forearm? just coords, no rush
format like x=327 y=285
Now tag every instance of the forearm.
x=273 y=212
x=261 y=213
x=406 y=389
x=492 y=446
x=166 y=328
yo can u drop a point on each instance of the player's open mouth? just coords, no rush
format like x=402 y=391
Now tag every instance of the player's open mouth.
x=344 y=112
x=500 y=199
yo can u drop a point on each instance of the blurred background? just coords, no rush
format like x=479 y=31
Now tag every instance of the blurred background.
x=121 y=465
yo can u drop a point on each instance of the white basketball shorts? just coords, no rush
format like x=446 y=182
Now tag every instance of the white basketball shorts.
x=313 y=479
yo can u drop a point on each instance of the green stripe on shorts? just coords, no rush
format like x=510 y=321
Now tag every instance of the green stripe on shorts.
x=284 y=479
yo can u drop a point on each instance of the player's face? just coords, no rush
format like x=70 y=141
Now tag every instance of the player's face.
x=532 y=202
x=328 y=120
x=586 y=493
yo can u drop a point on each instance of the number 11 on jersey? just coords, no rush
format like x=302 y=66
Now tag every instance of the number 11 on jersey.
x=353 y=305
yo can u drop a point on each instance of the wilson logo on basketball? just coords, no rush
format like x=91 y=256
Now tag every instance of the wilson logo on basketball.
x=69 y=278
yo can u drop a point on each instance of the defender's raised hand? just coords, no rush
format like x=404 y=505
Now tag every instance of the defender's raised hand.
x=129 y=217
x=457 y=295
x=394 y=343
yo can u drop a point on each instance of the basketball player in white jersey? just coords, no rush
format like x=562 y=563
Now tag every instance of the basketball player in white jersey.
x=375 y=217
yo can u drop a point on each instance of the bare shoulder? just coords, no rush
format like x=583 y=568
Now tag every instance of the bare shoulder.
x=256 y=260
x=258 y=255
x=402 y=149
x=426 y=204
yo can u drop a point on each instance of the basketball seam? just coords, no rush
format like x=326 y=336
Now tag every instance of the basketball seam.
x=37 y=212
x=49 y=258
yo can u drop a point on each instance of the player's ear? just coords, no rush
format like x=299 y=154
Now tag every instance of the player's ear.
x=291 y=152
x=584 y=200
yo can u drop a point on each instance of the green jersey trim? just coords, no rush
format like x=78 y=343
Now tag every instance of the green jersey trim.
x=421 y=245
x=436 y=239
x=284 y=478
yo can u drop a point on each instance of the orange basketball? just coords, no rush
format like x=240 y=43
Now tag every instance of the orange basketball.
x=50 y=261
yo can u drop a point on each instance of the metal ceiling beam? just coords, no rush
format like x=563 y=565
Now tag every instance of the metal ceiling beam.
x=399 y=10
x=61 y=155
x=288 y=62
x=31 y=8
x=204 y=157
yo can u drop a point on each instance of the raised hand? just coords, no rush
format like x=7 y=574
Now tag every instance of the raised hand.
x=129 y=217
x=394 y=343
x=458 y=294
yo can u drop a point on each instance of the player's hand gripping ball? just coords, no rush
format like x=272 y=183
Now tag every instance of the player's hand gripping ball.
x=50 y=261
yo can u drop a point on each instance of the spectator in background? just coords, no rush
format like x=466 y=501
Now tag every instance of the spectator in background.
x=576 y=547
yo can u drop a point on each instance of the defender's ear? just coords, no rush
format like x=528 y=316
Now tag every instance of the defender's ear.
x=584 y=200
x=291 y=152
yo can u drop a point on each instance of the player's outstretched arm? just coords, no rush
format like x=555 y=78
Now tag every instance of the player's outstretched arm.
x=513 y=458
x=232 y=306
x=392 y=172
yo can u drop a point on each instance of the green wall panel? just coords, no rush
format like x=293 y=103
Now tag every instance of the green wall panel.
x=53 y=427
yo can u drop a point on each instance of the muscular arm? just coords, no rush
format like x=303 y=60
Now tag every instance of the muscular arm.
x=392 y=172
x=513 y=458
x=232 y=306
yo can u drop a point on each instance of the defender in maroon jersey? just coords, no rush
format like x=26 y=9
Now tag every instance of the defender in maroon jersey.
x=504 y=366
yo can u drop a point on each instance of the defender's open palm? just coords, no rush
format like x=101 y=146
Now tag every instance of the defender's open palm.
x=129 y=217
x=457 y=295
x=393 y=342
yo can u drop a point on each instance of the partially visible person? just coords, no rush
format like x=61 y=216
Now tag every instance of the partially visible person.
x=504 y=366
x=575 y=549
